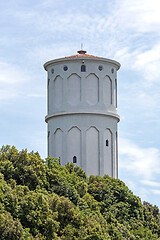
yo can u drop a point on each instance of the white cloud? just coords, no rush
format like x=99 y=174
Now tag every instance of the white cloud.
x=155 y=191
x=137 y=25
x=46 y=53
x=145 y=61
x=10 y=74
x=36 y=95
x=138 y=15
x=148 y=63
x=131 y=184
x=8 y=94
x=150 y=183
x=37 y=141
x=143 y=162
x=12 y=80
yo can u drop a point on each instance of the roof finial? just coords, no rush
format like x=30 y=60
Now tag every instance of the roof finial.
x=81 y=51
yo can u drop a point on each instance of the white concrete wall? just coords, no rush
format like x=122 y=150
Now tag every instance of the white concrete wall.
x=93 y=129
x=82 y=114
x=92 y=90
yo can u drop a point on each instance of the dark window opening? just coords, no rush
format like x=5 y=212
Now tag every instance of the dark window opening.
x=52 y=70
x=65 y=68
x=83 y=68
x=107 y=143
x=100 y=67
x=74 y=159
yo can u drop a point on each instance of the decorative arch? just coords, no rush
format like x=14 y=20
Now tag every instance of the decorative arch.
x=92 y=151
x=74 y=127
x=108 y=152
x=58 y=143
x=58 y=91
x=74 y=145
x=74 y=89
x=107 y=91
x=58 y=130
x=92 y=89
x=93 y=127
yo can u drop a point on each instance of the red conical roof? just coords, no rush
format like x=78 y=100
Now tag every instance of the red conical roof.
x=81 y=53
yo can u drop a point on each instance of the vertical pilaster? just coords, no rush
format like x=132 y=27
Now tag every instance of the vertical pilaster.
x=83 y=147
x=100 y=90
x=83 y=89
x=114 y=156
x=113 y=92
x=101 y=153
x=64 y=93
x=48 y=142
x=64 y=147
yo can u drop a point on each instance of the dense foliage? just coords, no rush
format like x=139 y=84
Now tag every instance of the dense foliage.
x=43 y=200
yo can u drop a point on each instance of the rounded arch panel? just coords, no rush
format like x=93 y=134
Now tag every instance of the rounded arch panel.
x=74 y=89
x=58 y=91
x=107 y=91
x=74 y=145
x=58 y=143
x=92 y=89
x=92 y=151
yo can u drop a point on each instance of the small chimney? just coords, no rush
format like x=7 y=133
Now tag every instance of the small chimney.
x=81 y=52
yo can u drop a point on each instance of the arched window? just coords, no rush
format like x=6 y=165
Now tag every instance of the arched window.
x=107 y=143
x=74 y=159
x=83 y=68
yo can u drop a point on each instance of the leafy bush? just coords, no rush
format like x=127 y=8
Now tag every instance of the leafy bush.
x=42 y=200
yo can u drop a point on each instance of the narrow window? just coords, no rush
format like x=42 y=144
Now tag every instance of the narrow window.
x=107 y=143
x=74 y=159
x=83 y=68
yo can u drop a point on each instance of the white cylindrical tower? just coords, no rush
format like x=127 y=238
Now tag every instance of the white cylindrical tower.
x=82 y=112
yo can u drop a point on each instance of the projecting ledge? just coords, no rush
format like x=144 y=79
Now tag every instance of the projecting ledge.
x=109 y=114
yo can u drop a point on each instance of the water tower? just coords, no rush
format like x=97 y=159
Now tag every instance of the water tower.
x=82 y=112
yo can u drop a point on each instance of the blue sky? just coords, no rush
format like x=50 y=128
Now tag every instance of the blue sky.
x=33 y=32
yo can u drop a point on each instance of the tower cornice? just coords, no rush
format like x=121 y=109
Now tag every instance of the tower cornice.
x=80 y=57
